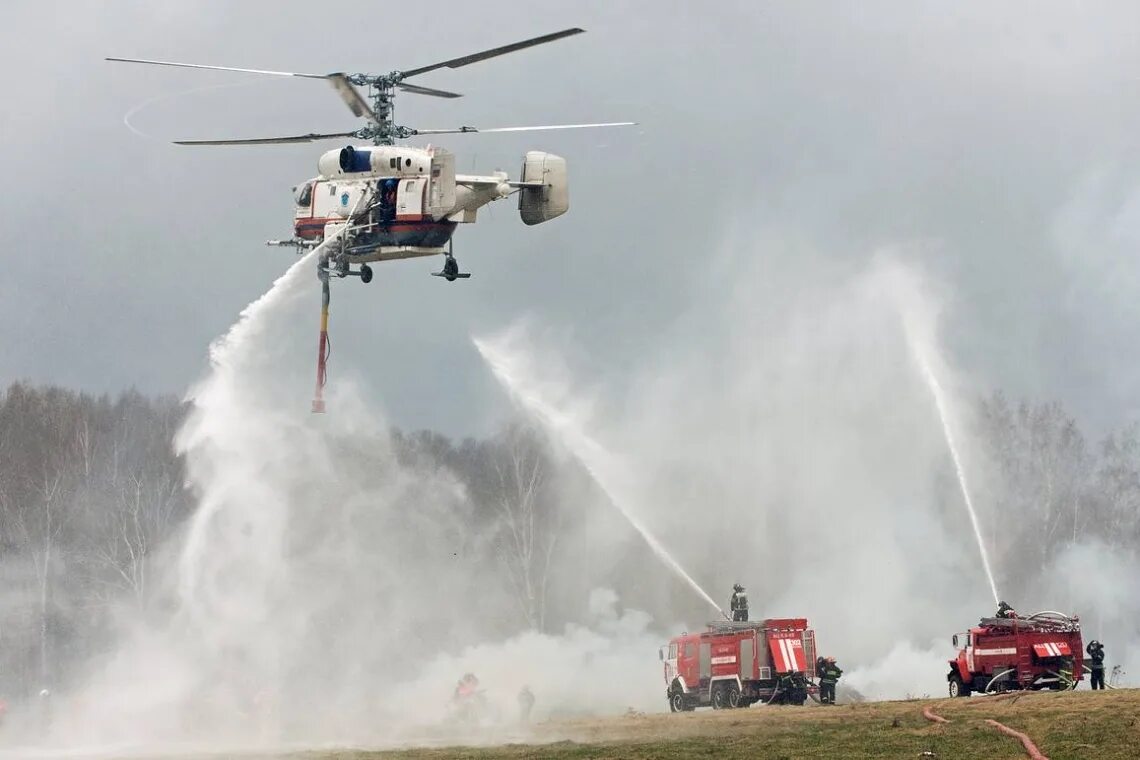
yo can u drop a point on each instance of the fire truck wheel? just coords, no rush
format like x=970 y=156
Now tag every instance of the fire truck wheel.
x=726 y=697
x=677 y=702
x=957 y=688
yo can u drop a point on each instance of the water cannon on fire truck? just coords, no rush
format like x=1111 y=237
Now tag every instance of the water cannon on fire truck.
x=1041 y=651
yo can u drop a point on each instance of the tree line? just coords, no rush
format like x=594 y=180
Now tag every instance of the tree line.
x=91 y=488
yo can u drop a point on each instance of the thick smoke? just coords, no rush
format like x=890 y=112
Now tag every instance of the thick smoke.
x=787 y=437
x=783 y=437
x=325 y=593
x=794 y=447
x=1100 y=582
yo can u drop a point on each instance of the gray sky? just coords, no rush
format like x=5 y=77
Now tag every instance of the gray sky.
x=1000 y=145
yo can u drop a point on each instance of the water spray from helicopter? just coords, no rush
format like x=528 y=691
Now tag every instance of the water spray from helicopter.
x=601 y=464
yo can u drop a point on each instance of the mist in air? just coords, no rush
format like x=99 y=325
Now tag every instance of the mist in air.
x=807 y=339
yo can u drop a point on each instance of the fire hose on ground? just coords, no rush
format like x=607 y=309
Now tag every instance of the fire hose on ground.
x=1026 y=742
x=932 y=716
x=1030 y=747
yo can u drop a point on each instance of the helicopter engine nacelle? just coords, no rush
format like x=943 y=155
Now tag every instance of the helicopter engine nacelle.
x=387 y=160
x=541 y=204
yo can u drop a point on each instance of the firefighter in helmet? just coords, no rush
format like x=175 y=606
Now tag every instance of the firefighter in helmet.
x=828 y=677
x=1095 y=651
x=466 y=687
x=739 y=603
x=1005 y=611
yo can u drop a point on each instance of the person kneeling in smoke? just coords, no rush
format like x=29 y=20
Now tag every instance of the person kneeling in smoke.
x=739 y=604
x=1095 y=651
x=828 y=677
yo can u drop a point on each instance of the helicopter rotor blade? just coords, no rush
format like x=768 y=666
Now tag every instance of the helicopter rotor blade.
x=463 y=130
x=311 y=137
x=415 y=89
x=455 y=63
x=351 y=96
x=220 y=68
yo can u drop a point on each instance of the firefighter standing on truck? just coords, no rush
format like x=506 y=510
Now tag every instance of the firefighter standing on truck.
x=828 y=676
x=1096 y=656
x=739 y=604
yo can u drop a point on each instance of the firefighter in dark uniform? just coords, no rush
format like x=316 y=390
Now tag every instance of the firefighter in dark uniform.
x=739 y=603
x=828 y=676
x=1005 y=611
x=1095 y=651
x=387 y=190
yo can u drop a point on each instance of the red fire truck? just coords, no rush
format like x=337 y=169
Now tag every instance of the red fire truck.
x=1042 y=651
x=735 y=664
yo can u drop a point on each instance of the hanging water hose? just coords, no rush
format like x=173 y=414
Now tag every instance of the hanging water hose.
x=995 y=679
x=777 y=691
x=1066 y=680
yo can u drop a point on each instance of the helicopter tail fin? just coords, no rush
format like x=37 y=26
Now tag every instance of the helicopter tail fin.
x=552 y=198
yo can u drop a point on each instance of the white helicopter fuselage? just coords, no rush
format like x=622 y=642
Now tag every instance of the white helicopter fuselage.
x=404 y=202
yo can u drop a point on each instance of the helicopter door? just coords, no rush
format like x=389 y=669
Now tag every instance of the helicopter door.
x=441 y=191
x=410 y=199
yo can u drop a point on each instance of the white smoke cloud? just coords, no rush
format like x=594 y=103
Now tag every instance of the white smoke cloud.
x=325 y=594
x=605 y=666
x=906 y=671
x=796 y=448
x=1100 y=583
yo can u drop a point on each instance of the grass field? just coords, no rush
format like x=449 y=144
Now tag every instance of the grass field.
x=1083 y=724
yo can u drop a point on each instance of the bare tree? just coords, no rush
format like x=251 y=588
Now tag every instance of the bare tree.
x=1118 y=490
x=528 y=515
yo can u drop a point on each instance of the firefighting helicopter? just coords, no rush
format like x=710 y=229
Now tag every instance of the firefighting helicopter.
x=385 y=201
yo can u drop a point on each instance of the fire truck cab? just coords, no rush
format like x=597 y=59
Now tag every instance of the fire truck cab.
x=735 y=664
x=1042 y=651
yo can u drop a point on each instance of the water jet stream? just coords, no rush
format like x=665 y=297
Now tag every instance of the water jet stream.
x=918 y=349
x=600 y=463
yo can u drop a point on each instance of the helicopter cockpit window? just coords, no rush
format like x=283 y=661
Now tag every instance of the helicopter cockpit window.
x=392 y=163
x=304 y=194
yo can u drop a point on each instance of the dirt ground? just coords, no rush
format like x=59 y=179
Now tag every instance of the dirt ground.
x=1102 y=725
x=1066 y=726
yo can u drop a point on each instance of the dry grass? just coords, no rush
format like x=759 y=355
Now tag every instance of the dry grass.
x=1104 y=725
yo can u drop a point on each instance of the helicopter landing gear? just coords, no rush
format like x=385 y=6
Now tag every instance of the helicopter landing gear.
x=340 y=268
x=451 y=271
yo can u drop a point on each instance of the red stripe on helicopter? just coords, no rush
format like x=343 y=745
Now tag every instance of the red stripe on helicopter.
x=319 y=224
